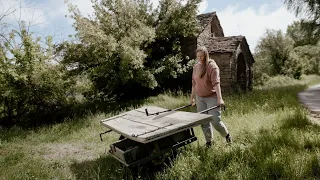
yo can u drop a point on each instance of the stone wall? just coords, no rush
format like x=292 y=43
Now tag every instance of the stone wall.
x=216 y=28
x=213 y=29
x=204 y=37
x=224 y=63
x=233 y=65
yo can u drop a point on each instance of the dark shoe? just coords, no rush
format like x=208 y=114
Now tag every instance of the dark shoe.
x=208 y=144
x=229 y=139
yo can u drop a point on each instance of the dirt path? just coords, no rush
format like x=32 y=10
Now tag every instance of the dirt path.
x=310 y=98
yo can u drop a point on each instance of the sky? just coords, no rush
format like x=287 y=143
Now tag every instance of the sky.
x=249 y=18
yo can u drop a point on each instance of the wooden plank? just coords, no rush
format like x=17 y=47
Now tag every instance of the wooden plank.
x=140 y=112
x=153 y=120
x=165 y=121
x=136 y=125
x=127 y=127
x=175 y=128
x=151 y=109
x=187 y=116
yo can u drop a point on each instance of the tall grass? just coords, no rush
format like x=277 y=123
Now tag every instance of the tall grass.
x=273 y=139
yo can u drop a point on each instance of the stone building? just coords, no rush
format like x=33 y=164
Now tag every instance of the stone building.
x=232 y=54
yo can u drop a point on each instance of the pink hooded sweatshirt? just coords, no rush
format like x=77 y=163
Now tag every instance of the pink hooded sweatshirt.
x=204 y=86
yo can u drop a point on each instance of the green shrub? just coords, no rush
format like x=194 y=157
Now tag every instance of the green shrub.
x=33 y=89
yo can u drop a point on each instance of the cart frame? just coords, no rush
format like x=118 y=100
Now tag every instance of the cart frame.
x=131 y=153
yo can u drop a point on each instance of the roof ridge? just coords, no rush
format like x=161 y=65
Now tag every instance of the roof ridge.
x=212 y=12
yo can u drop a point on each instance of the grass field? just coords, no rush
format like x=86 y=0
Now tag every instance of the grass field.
x=273 y=139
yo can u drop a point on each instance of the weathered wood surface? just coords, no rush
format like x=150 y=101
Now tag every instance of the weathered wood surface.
x=136 y=125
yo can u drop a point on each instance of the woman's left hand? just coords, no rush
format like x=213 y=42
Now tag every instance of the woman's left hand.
x=220 y=102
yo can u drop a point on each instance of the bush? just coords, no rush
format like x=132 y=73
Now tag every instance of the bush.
x=278 y=81
x=303 y=60
x=33 y=90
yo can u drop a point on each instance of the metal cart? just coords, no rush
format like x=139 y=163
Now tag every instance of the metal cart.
x=149 y=133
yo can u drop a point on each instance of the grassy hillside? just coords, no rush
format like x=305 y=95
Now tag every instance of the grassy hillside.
x=273 y=138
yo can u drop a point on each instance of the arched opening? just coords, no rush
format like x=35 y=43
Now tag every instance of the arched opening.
x=250 y=85
x=241 y=72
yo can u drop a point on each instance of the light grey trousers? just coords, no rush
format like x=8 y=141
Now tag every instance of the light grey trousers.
x=205 y=103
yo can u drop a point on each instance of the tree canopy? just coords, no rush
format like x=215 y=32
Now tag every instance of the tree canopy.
x=128 y=47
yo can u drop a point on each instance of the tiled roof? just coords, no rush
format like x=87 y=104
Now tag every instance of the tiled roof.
x=205 y=19
x=223 y=44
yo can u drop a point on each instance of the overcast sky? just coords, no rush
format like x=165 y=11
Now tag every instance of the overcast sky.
x=249 y=18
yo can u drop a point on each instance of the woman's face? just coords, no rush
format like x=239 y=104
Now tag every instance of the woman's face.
x=200 y=56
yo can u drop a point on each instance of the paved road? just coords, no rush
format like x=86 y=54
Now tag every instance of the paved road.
x=311 y=99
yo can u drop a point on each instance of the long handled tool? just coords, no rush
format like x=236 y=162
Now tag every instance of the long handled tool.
x=157 y=113
x=206 y=110
x=214 y=107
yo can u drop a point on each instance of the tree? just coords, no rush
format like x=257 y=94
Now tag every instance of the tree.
x=276 y=55
x=310 y=8
x=273 y=50
x=310 y=11
x=302 y=33
x=262 y=68
x=128 y=48
x=303 y=60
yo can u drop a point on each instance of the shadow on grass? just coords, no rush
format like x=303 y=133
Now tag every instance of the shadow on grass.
x=107 y=167
x=104 y=167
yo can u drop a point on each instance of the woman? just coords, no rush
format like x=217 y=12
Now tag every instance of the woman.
x=206 y=88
